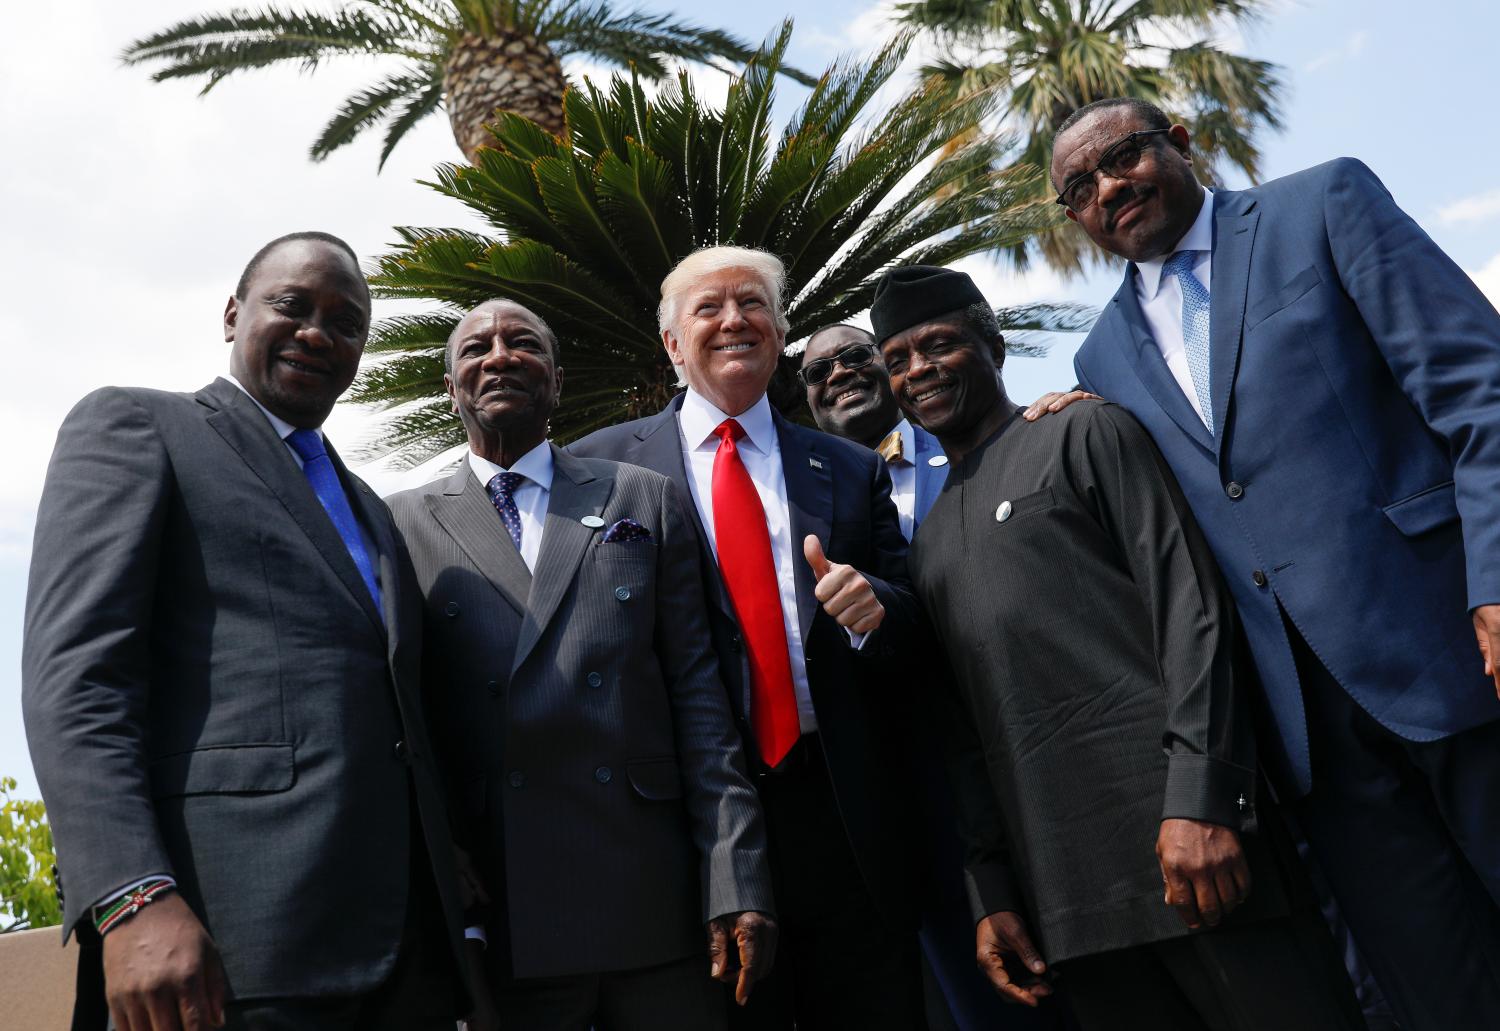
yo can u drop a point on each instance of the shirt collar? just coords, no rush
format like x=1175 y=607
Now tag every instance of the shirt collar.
x=699 y=418
x=283 y=428
x=535 y=465
x=1199 y=237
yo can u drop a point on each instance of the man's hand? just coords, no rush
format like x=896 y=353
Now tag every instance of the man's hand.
x=1487 y=630
x=741 y=949
x=845 y=593
x=1004 y=952
x=471 y=890
x=162 y=971
x=1055 y=401
x=485 y=1016
x=1203 y=869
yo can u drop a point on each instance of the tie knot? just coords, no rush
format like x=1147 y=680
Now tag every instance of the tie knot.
x=1180 y=264
x=504 y=485
x=729 y=429
x=307 y=443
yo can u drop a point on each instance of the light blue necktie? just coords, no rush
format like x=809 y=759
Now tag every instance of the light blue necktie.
x=324 y=478
x=502 y=490
x=1194 y=327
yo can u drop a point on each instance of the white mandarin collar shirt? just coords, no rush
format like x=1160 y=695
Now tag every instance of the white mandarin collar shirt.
x=1161 y=297
x=760 y=451
x=904 y=477
x=531 y=497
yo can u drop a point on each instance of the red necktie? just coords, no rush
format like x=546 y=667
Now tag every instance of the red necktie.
x=750 y=575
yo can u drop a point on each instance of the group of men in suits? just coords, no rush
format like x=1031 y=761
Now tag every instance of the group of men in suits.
x=527 y=744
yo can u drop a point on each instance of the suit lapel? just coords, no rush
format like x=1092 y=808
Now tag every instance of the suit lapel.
x=1234 y=238
x=809 y=499
x=246 y=429
x=576 y=493
x=930 y=478
x=1134 y=336
x=465 y=511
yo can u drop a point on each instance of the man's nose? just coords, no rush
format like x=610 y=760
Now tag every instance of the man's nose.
x=312 y=335
x=499 y=353
x=730 y=316
x=1109 y=187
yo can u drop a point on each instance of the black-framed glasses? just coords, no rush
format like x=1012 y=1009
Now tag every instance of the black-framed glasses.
x=1082 y=190
x=855 y=356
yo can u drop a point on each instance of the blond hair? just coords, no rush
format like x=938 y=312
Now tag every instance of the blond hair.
x=705 y=261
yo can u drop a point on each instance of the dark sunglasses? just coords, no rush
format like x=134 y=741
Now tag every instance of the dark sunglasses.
x=855 y=356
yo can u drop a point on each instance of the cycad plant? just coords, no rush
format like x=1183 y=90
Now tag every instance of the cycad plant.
x=589 y=224
x=474 y=57
x=1050 y=57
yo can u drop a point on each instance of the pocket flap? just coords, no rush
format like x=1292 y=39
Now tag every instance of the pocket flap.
x=656 y=779
x=222 y=770
x=1424 y=511
x=1290 y=291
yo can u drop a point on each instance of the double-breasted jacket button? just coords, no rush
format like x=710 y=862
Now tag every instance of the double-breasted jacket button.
x=517 y=779
x=1235 y=491
x=451 y=610
x=595 y=680
x=1259 y=578
x=623 y=593
x=401 y=751
x=603 y=775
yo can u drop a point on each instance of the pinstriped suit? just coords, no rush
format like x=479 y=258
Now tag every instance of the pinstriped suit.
x=595 y=769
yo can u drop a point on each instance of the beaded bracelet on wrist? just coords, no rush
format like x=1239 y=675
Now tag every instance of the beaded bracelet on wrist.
x=129 y=904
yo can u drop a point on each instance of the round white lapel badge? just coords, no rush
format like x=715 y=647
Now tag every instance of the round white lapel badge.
x=937 y=460
x=593 y=522
x=1003 y=512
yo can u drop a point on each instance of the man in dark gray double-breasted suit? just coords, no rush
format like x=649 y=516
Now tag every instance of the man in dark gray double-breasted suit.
x=220 y=683
x=596 y=771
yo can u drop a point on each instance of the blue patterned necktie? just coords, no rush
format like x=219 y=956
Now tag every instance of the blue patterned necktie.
x=324 y=478
x=1194 y=327
x=502 y=490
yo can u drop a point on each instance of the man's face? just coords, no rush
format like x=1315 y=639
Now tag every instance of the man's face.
x=942 y=377
x=1141 y=214
x=505 y=377
x=726 y=339
x=856 y=404
x=299 y=331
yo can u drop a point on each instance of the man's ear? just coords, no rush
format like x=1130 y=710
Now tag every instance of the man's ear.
x=669 y=341
x=1182 y=141
x=231 y=316
x=557 y=394
x=997 y=350
x=448 y=386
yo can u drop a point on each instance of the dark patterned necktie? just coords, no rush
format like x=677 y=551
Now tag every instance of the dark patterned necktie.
x=502 y=490
x=324 y=478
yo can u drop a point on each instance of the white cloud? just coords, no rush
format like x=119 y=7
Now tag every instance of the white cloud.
x=1488 y=279
x=1478 y=208
x=1345 y=51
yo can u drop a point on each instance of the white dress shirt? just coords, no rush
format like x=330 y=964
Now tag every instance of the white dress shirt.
x=904 y=478
x=1161 y=298
x=531 y=496
x=760 y=451
x=283 y=428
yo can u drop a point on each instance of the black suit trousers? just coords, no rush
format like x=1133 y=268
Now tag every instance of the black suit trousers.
x=839 y=963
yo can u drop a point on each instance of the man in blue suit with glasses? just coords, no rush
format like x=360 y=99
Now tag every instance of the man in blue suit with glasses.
x=1322 y=380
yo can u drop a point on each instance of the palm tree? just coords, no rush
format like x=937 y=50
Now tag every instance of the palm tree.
x=1053 y=56
x=591 y=222
x=475 y=57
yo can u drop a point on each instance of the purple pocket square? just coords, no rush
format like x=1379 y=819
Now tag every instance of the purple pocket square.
x=626 y=531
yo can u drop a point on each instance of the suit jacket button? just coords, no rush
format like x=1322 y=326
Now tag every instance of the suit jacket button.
x=401 y=751
x=737 y=643
x=623 y=593
x=603 y=775
x=595 y=680
x=1259 y=577
x=494 y=686
x=1235 y=491
x=451 y=610
x=517 y=779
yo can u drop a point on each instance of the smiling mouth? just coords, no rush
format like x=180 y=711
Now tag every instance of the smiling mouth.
x=735 y=347
x=931 y=392
x=856 y=393
x=304 y=367
x=1131 y=207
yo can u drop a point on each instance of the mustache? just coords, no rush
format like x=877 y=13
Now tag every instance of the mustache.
x=1122 y=200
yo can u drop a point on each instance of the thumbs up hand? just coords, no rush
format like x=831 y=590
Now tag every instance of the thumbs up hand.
x=843 y=591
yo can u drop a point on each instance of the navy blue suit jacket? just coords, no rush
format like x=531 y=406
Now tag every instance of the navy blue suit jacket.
x=1353 y=475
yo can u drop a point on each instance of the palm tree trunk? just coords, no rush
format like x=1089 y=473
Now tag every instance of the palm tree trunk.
x=510 y=71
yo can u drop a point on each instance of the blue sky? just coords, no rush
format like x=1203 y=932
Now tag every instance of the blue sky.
x=130 y=207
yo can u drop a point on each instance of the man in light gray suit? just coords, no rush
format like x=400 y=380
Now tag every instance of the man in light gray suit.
x=596 y=771
x=220 y=684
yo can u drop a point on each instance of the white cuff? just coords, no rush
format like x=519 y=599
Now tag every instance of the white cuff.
x=476 y=933
x=137 y=882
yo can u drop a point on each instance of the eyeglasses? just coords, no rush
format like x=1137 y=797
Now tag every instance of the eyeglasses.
x=1082 y=190
x=855 y=356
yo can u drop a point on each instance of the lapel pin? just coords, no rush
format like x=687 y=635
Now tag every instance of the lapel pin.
x=1003 y=512
x=814 y=463
x=937 y=460
x=593 y=522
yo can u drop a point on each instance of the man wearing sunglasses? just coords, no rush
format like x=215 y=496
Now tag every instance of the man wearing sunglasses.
x=1321 y=379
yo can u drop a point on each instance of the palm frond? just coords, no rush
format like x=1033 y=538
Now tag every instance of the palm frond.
x=364 y=109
